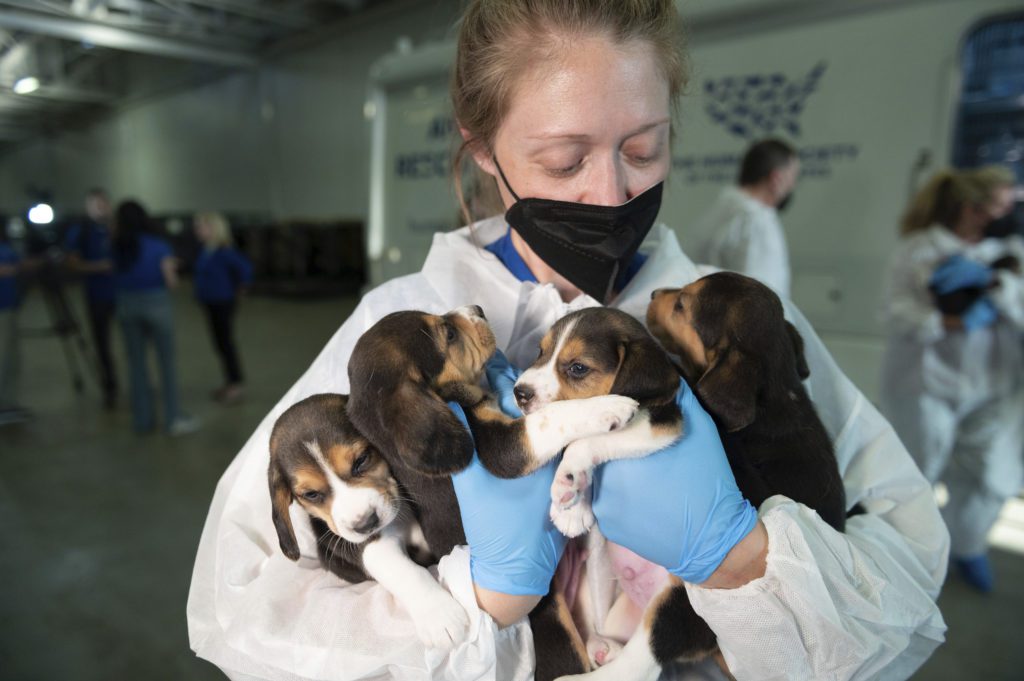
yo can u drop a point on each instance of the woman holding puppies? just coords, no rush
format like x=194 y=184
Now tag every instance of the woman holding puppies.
x=568 y=107
x=953 y=378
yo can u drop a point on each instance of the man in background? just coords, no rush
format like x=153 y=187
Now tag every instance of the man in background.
x=89 y=254
x=745 y=234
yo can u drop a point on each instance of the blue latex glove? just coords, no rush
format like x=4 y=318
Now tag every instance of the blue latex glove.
x=513 y=547
x=981 y=314
x=957 y=272
x=678 y=507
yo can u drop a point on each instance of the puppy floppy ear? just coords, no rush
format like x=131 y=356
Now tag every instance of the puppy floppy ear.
x=729 y=389
x=645 y=371
x=280 y=500
x=798 y=349
x=408 y=422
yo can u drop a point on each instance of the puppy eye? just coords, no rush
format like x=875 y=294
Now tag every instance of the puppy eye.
x=679 y=305
x=450 y=331
x=577 y=370
x=312 y=496
x=360 y=464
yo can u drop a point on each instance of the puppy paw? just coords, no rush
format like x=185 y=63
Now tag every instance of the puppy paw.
x=574 y=521
x=441 y=621
x=602 y=650
x=611 y=412
x=569 y=485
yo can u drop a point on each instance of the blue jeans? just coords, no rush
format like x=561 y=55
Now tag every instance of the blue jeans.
x=148 y=317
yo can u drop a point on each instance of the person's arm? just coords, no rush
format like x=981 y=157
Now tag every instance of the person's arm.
x=909 y=309
x=853 y=605
x=1008 y=294
x=169 y=270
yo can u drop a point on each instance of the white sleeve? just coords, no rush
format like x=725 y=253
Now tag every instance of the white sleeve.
x=854 y=605
x=1008 y=296
x=909 y=310
x=257 y=615
x=747 y=246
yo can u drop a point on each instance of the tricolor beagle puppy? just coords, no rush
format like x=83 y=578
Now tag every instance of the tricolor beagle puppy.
x=591 y=352
x=746 y=364
x=363 y=528
x=402 y=372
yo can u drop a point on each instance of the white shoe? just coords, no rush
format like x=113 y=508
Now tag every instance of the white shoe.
x=183 y=425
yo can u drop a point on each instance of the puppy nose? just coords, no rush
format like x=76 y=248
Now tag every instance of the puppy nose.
x=656 y=292
x=523 y=393
x=368 y=524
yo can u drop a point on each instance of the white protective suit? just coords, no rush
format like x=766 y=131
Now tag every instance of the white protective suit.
x=830 y=606
x=957 y=398
x=744 y=235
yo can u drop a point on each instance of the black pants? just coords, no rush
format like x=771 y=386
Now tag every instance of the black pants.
x=221 y=316
x=101 y=317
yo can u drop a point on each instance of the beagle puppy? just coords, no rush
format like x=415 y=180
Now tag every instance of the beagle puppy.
x=362 y=526
x=403 y=370
x=745 y=363
x=591 y=352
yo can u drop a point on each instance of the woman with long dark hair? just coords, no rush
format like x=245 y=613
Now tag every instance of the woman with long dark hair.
x=144 y=271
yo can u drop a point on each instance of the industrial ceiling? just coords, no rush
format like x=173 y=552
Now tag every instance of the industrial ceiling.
x=63 y=62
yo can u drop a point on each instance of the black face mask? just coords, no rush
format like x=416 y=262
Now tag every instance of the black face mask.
x=785 y=203
x=588 y=245
x=1005 y=226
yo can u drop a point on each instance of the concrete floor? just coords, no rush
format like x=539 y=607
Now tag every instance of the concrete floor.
x=100 y=526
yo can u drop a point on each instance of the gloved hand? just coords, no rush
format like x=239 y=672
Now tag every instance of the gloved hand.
x=513 y=547
x=981 y=314
x=957 y=272
x=678 y=507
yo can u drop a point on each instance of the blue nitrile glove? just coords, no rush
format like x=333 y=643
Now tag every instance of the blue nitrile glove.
x=981 y=314
x=513 y=547
x=678 y=507
x=957 y=272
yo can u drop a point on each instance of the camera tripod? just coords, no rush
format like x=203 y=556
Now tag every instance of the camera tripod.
x=62 y=324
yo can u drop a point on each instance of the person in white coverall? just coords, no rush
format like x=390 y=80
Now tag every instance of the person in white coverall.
x=742 y=228
x=953 y=379
x=572 y=103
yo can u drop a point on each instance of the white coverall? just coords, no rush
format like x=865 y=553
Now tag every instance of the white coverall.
x=956 y=398
x=744 y=235
x=853 y=606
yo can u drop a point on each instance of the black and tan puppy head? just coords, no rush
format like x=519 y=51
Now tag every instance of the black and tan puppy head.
x=597 y=351
x=733 y=341
x=395 y=372
x=320 y=460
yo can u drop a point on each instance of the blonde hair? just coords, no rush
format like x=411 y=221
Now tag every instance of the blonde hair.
x=220 y=230
x=500 y=40
x=943 y=197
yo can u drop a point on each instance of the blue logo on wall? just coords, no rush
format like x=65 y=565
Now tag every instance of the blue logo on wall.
x=758 y=105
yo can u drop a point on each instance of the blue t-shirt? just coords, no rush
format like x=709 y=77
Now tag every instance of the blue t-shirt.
x=91 y=241
x=219 y=273
x=510 y=258
x=144 y=273
x=8 y=283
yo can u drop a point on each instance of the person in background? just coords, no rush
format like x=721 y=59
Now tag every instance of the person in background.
x=88 y=246
x=221 y=274
x=953 y=375
x=742 y=226
x=144 y=270
x=10 y=267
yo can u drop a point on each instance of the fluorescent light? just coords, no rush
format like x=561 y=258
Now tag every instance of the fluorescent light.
x=23 y=86
x=40 y=214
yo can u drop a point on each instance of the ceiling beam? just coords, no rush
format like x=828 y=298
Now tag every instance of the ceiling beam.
x=121 y=39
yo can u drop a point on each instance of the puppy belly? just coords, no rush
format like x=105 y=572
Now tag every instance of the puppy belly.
x=638 y=578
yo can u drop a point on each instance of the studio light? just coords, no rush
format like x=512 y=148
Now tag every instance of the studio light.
x=40 y=214
x=24 y=86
